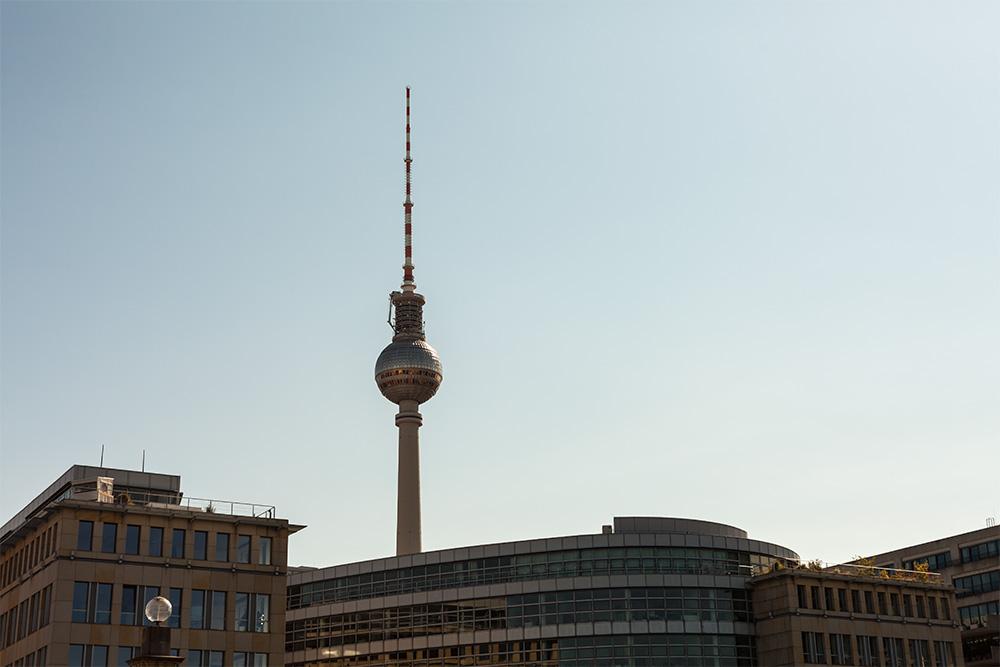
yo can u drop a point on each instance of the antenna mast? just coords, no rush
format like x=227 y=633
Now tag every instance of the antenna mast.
x=408 y=284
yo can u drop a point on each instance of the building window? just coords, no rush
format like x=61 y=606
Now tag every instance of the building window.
x=208 y=610
x=198 y=609
x=155 y=541
x=883 y=608
x=261 y=605
x=262 y=613
x=125 y=653
x=920 y=607
x=945 y=654
x=868 y=651
x=242 y=548
x=813 y=647
x=828 y=599
x=986 y=550
x=197 y=658
x=856 y=601
x=109 y=538
x=920 y=655
x=132 y=540
x=177 y=537
x=985 y=582
x=222 y=547
x=814 y=591
x=242 y=620
x=945 y=609
x=842 y=599
x=935 y=563
x=892 y=647
x=894 y=599
x=85 y=655
x=869 y=603
x=200 y=545
x=91 y=603
x=264 y=545
x=130 y=598
x=85 y=537
x=803 y=603
x=175 y=613
x=249 y=659
x=907 y=605
x=840 y=650
x=975 y=615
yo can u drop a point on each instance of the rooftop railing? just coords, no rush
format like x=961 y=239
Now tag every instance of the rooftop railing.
x=855 y=570
x=169 y=500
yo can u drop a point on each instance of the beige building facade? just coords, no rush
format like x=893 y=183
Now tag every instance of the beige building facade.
x=971 y=563
x=79 y=563
x=854 y=616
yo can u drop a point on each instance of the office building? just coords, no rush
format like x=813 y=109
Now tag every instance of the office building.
x=647 y=591
x=854 y=615
x=971 y=563
x=80 y=561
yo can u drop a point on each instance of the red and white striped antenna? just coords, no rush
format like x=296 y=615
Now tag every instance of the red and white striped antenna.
x=408 y=284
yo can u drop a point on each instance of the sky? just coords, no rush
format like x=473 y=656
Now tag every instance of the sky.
x=722 y=260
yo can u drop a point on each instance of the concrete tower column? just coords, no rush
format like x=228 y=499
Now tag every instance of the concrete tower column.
x=408 y=488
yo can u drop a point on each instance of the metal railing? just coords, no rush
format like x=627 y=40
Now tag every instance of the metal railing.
x=855 y=570
x=172 y=501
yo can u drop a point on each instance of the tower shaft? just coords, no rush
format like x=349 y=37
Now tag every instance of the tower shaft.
x=408 y=421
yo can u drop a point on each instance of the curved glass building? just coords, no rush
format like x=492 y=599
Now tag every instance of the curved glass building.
x=647 y=591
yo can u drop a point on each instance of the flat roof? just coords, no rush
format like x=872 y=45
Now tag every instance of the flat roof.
x=79 y=474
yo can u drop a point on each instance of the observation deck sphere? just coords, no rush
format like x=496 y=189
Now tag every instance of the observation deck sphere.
x=408 y=370
x=158 y=609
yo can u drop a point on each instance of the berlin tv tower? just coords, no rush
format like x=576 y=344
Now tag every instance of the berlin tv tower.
x=408 y=373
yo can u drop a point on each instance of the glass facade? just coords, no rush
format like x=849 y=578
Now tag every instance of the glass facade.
x=521 y=611
x=526 y=567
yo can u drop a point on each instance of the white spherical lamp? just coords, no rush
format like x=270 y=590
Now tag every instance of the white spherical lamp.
x=158 y=609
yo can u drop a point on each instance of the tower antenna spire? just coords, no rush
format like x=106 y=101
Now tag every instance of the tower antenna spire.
x=408 y=284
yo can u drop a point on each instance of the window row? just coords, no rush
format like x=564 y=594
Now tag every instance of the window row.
x=570 y=563
x=31 y=553
x=198 y=549
x=976 y=614
x=37 y=658
x=518 y=611
x=934 y=562
x=634 y=651
x=985 y=582
x=95 y=655
x=33 y=613
x=853 y=600
x=815 y=645
x=634 y=604
x=208 y=610
x=981 y=551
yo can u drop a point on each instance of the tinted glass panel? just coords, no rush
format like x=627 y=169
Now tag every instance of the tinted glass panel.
x=200 y=545
x=222 y=547
x=109 y=538
x=242 y=548
x=177 y=537
x=155 y=541
x=132 y=540
x=85 y=539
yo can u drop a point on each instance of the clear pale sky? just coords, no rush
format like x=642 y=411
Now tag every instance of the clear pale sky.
x=725 y=260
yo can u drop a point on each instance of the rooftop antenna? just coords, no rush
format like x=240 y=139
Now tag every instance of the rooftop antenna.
x=144 y=460
x=102 y=455
x=408 y=284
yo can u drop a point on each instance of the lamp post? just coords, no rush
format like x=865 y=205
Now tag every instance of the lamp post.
x=155 y=650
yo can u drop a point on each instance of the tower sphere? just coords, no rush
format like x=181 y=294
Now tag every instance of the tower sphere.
x=408 y=370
